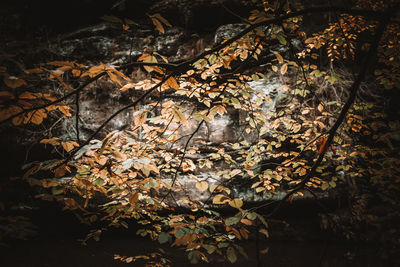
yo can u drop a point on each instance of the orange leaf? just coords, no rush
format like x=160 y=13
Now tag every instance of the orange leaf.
x=321 y=143
x=163 y=20
x=35 y=117
x=27 y=95
x=52 y=141
x=68 y=146
x=172 y=83
x=65 y=110
x=114 y=77
x=284 y=69
x=158 y=25
x=279 y=57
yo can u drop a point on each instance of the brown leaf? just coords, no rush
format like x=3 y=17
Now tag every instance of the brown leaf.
x=14 y=82
x=172 y=83
x=202 y=186
x=321 y=143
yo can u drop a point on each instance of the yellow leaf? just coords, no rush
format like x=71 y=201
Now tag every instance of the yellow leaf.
x=236 y=203
x=284 y=69
x=172 y=83
x=202 y=186
x=320 y=108
x=163 y=20
x=279 y=57
x=179 y=116
x=52 y=141
x=149 y=59
x=220 y=199
x=324 y=186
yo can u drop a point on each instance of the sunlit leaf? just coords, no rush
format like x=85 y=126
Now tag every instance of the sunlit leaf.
x=202 y=186
x=284 y=68
x=236 y=203
x=68 y=146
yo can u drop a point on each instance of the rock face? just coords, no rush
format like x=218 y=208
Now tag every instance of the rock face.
x=107 y=43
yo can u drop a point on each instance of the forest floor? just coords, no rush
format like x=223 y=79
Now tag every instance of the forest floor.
x=57 y=244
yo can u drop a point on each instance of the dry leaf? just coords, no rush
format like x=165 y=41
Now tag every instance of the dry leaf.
x=202 y=186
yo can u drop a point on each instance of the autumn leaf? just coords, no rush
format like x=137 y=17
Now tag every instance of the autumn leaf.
x=236 y=203
x=220 y=199
x=158 y=24
x=279 y=57
x=179 y=116
x=6 y=95
x=27 y=95
x=65 y=110
x=140 y=119
x=321 y=143
x=35 y=117
x=68 y=146
x=52 y=141
x=172 y=83
x=114 y=77
x=133 y=198
x=246 y=222
x=127 y=86
x=284 y=68
x=14 y=82
x=231 y=254
x=162 y=19
x=202 y=186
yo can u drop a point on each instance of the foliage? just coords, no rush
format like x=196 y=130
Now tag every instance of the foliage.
x=298 y=148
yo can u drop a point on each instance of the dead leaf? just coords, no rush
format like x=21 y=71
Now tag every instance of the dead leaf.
x=202 y=186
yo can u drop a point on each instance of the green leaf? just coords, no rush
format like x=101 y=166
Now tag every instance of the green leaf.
x=181 y=232
x=231 y=221
x=212 y=59
x=231 y=254
x=57 y=190
x=163 y=238
x=255 y=77
x=98 y=181
x=193 y=257
x=281 y=39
